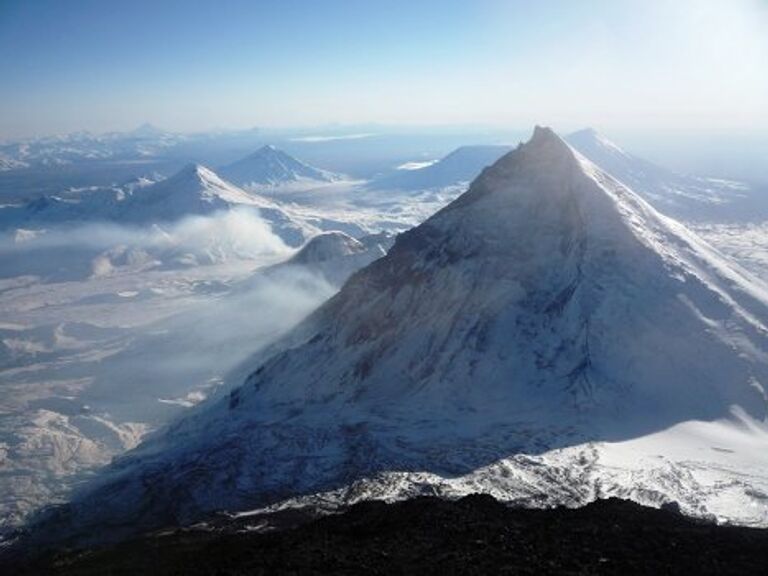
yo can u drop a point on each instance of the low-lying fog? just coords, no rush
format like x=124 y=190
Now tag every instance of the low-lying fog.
x=107 y=332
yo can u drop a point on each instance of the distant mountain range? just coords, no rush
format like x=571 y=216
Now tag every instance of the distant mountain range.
x=194 y=190
x=270 y=170
x=146 y=141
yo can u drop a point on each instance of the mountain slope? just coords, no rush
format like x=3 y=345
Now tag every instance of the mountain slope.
x=270 y=167
x=547 y=309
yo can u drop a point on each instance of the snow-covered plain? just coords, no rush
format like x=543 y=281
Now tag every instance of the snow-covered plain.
x=109 y=332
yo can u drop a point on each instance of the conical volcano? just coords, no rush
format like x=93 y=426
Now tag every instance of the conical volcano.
x=195 y=189
x=546 y=287
x=271 y=167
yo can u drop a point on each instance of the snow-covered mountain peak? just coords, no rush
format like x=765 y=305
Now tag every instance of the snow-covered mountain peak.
x=200 y=182
x=267 y=151
x=197 y=190
x=271 y=167
x=593 y=144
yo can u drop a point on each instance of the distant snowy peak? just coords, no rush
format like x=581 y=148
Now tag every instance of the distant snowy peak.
x=458 y=167
x=678 y=195
x=200 y=180
x=195 y=189
x=271 y=167
x=147 y=130
x=613 y=159
x=591 y=139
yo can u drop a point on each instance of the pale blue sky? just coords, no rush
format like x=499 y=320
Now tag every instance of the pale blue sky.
x=194 y=65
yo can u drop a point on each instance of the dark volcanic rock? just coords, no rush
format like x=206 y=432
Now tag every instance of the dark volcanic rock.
x=474 y=535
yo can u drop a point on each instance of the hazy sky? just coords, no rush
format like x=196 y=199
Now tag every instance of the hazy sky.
x=193 y=65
